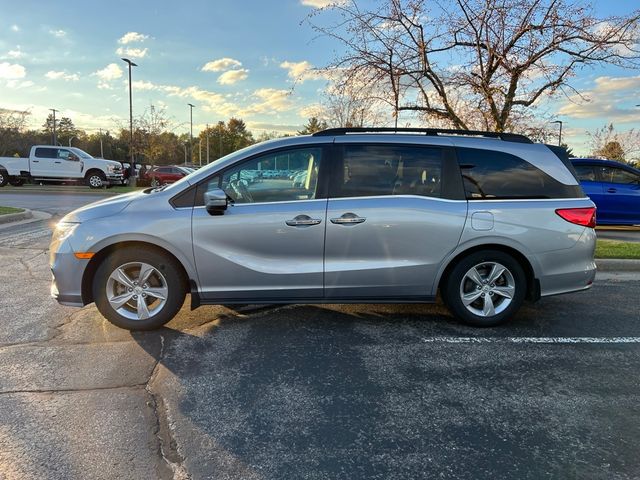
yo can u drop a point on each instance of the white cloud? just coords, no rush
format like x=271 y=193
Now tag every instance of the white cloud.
x=132 y=37
x=612 y=99
x=15 y=28
x=132 y=52
x=15 y=84
x=221 y=64
x=270 y=100
x=58 y=33
x=302 y=71
x=69 y=77
x=143 y=85
x=321 y=3
x=233 y=76
x=109 y=73
x=11 y=71
x=17 y=53
x=313 y=110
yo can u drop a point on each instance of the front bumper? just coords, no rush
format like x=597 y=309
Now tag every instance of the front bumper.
x=67 y=272
x=115 y=178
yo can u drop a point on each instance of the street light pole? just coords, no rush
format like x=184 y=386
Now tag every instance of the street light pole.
x=560 y=135
x=132 y=173
x=207 y=130
x=55 y=137
x=191 y=133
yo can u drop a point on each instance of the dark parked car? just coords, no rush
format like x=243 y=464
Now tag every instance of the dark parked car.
x=614 y=187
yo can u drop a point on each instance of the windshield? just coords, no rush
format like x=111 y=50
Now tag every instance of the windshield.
x=80 y=153
x=201 y=173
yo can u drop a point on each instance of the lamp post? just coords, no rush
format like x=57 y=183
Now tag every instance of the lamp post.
x=207 y=130
x=190 y=134
x=132 y=174
x=560 y=135
x=55 y=137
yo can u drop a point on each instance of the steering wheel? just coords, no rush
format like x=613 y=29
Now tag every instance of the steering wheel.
x=241 y=191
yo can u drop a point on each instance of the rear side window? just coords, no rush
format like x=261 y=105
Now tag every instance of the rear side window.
x=488 y=174
x=46 y=152
x=379 y=170
x=618 y=175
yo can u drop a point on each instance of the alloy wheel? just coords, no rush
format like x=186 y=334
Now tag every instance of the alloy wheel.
x=487 y=289
x=137 y=290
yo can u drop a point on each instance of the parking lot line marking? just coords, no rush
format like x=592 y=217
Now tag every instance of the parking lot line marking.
x=551 y=340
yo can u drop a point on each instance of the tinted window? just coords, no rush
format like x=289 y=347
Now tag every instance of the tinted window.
x=46 y=152
x=488 y=174
x=585 y=173
x=618 y=175
x=374 y=170
x=274 y=177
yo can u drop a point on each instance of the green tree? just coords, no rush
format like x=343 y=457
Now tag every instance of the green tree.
x=313 y=125
x=612 y=151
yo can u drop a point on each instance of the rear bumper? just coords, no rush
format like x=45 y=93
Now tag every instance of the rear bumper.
x=569 y=270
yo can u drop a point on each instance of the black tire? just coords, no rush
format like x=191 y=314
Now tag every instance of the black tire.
x=514 y=277
x=171 y=273
x=4 y=178
x=16 y=181
x=95 y=179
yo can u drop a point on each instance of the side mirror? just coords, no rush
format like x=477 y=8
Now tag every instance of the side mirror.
x=215 y=201
x=73 y=157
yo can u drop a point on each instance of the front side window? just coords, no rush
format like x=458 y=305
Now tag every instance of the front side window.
x=488 y=174
x=618 y=175
x=375 y=170
x=286 y=175
x=585 y=173
x=64 y=154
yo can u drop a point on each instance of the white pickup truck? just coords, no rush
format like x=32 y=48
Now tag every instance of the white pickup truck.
x=61 y=164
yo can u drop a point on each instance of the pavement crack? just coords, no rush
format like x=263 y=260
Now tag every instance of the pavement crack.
x=71 y=390
x=167 y=445
x=27 y=267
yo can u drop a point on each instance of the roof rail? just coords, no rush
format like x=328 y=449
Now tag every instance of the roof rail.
x=507 y=137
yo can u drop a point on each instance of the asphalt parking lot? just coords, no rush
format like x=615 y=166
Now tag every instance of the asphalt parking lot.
x=300 y=391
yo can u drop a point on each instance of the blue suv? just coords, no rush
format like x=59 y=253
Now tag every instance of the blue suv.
x=614 y=187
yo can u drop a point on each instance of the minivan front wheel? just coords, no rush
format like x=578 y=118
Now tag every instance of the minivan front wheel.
x=486 y=288
x=138 y=289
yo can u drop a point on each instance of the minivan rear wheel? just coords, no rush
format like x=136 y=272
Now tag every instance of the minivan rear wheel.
x=485 y=288
x=139 y=289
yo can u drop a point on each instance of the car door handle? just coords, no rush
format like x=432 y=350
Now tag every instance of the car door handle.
x=35 y=161
x=302 y=221
x=348 y=219
x=612 y=190
x=57 y=162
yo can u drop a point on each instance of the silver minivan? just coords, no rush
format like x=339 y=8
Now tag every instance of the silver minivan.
x=350 y=215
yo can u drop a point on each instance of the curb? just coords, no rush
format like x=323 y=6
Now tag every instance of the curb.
x=60 y=191
x=617 y=265
x=16 y=217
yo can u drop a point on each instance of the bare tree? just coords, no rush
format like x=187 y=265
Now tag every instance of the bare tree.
x=606 y=143
x=12 y=125
x=477 y=63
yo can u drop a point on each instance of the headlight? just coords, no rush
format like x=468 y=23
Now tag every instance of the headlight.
x=111 y=168
x=63 y=231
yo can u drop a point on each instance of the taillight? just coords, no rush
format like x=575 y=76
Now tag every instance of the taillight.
x=580 y=216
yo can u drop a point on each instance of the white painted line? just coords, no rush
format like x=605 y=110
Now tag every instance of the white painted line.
x=560 y=340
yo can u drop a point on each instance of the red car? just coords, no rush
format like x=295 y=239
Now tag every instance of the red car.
x=162 y=175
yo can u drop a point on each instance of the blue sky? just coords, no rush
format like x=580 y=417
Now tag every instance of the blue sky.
x=66 y=55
